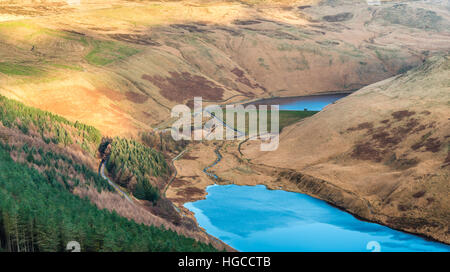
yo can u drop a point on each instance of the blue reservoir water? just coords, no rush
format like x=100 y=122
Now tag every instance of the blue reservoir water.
x=253 y=218
x=312 y=103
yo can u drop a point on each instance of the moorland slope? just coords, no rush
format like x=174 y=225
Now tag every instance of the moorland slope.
x=382 y=153
x=122 y=65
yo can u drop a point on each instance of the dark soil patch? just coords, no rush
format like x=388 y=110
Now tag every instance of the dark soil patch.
x=365 y=125
x=241 y=78
x=246 y=22
x=419 y=194
x=190 y=103
x=327 y=43
x=420 y=128
x=135 y=39
x=189 y=157
x=136 y=97
x=383 y=140
x=178 y=182
x=164 y=209
x=433 y=145
x=180 y=87
x=401 y=163
x=407 y=129
x=244 y=80
x=277 y=35
x=400 y=115
x=238 y=72
x=231 y=31
x=340 y=17
x=365 y=151
x=190 y=28
x=409 y=222
x=402 y=208
x=190 y=193
x=447 y=160
x=192 y=177
x=74 y=32
x=430 y=144
x=287 y=8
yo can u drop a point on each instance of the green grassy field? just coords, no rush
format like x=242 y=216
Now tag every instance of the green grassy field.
x=74 y=67
x=10 y=68
x=290 y=117
x=106 y=52
x=286 y=118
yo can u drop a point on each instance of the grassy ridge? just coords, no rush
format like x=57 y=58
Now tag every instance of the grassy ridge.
x=100 y=51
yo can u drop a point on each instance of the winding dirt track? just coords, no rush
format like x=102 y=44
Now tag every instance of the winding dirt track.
x=117 y=188
x=175 y=170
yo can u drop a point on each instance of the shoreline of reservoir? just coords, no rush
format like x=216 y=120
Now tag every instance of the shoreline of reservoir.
x=384 y=234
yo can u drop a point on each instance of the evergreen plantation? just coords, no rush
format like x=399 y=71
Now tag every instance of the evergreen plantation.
x=163 y=142
x=42 y=162
x=38 y=214
x=133 y=164
x=52 y=128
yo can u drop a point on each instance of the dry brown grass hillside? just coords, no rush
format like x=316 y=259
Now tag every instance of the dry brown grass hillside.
x=382 y=153
x=121 y=65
